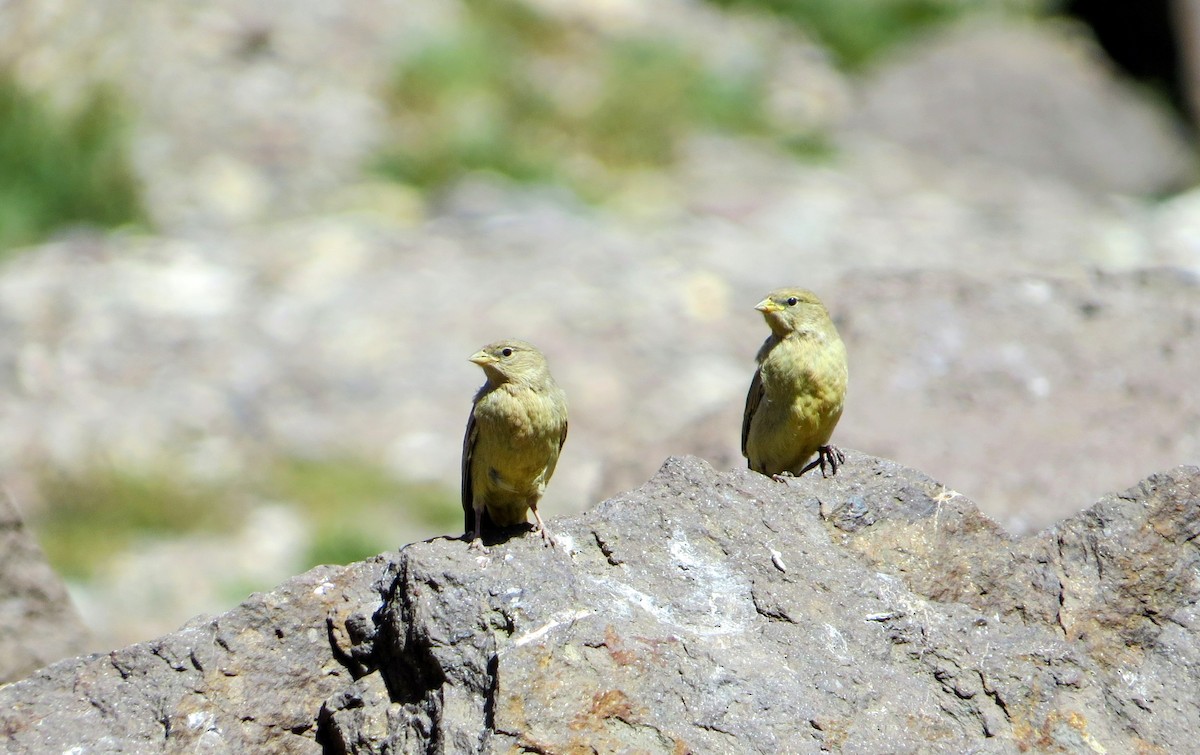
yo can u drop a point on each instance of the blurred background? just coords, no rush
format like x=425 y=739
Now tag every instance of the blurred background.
x=246 y=250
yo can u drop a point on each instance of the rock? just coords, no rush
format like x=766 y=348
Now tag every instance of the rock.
x=874 y=611
x=1034 y=97
x=38 y=623
x=250 y=680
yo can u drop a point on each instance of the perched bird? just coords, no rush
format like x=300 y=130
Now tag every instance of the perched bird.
x=517 y=428
x=796 y=397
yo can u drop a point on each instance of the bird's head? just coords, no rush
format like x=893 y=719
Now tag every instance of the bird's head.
x=511 y=361
x=791 y=310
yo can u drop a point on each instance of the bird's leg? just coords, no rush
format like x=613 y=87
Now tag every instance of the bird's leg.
x=476 y=536
x=547 y=538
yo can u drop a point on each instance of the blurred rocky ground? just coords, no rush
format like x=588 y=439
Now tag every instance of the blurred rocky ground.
x=38 y=624
x=1001 y=224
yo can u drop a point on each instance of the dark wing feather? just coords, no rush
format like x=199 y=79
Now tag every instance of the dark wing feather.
x=753 y=397
x=468 y=497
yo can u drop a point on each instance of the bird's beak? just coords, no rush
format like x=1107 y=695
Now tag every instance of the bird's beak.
x=766 y=306
x=482 y=358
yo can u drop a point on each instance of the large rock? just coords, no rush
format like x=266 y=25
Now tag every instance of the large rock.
x=704 y=612
x=1031 y=96
x=38 y=623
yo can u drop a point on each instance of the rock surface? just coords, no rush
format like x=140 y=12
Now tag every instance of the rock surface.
x=250 y=680
x=38 y=624
x=875 y=611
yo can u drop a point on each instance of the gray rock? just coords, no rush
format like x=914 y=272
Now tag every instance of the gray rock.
x=1034 y=97
x=250 y=680
x=704 y=612
x=38 y=623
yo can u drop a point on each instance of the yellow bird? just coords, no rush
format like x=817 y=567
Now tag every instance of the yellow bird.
x=798 y=390
x=517 y=428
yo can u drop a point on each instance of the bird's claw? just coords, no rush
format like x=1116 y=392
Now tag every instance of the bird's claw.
x=547 y=539
x=833 y=455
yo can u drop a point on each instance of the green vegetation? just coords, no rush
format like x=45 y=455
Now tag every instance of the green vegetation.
x=355 y=508
x=856 y=31
x=59 y=169
x=91 y=516
x=535 y=99
x=540 y=99
x=653 y=94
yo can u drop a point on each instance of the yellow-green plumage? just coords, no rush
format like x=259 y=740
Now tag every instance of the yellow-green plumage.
x=797 y=394
x=517 y=427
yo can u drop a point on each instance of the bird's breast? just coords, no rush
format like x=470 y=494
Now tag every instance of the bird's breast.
x=520 y=416
x=809 y=368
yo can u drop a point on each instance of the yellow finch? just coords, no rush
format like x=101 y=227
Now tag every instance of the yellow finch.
x=517 y=427
x=796 y=397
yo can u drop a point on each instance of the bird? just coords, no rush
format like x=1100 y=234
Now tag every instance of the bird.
x=799 y=389
x=514 y=436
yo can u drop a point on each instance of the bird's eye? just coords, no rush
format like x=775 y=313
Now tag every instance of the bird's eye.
x=506 y=352
x=792 y=301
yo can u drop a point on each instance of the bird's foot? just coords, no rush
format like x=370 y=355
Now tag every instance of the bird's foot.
x=540 y=528
x=547 y=538
x=833 y=455
x=782 y=477
x=476 y=542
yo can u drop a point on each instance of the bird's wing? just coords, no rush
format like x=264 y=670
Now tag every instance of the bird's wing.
x=468 y=495
x=753 y=397
x=553 y=463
